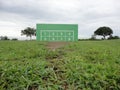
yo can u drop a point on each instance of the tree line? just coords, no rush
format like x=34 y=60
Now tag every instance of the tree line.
x=101 y=31
x=29 y=32
x=6 y=38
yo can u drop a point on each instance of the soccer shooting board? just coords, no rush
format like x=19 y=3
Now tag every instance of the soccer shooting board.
x=57 y=32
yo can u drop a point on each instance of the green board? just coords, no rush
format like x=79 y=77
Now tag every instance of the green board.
x=57 y=32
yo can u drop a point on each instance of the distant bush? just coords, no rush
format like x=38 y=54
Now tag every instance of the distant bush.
x=93 y=37
x=14 y=39
x=114 y=37
x=4 y=38
x=90 y=39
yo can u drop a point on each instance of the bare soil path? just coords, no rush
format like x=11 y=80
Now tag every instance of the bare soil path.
x=55 y=45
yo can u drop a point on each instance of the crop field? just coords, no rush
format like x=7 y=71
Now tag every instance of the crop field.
x=82 y=65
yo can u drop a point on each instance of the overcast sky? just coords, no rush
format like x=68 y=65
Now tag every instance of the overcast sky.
x=16 y=15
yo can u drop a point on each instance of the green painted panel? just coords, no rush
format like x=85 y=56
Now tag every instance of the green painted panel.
x=57 y=32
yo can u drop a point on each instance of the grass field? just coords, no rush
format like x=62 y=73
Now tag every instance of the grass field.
x=83 y=65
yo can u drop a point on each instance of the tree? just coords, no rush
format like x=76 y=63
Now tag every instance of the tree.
x=104 y=31
x=29 y=32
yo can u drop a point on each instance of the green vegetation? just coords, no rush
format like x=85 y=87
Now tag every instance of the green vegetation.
x=82 y=65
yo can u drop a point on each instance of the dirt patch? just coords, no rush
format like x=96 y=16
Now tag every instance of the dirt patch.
x=54 y=45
